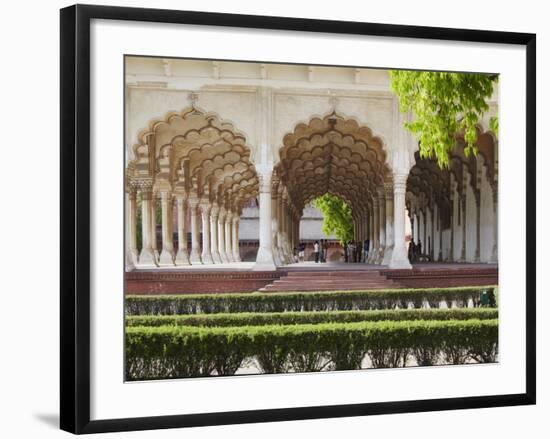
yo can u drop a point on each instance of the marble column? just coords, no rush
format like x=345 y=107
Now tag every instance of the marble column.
x=228 y=237
x=280 y=224
x=206 y=256
x=154 y=226
x=221 y=235
x=463 y=219
x=424 y=214
x=371 y=235
x=235 y=237
x=494 y=254
x=132 y=227
x=477 y=255
x=381 y=225
x=147 y=255
x=286 y=253
x=399 y=258
x=388 y=188
x=432 y=232
x=182 y=258
x=376 y=223
x=195 y=257
x=214 y=246
x=275 y=225
x=167 y=254
x=265 y=260
x=440 y=227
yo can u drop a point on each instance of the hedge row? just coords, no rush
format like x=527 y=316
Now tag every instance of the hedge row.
x=184 y=351
x=297 y=318
x=309 y=301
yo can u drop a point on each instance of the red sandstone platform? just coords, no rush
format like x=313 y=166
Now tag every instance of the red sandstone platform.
x=308 y=277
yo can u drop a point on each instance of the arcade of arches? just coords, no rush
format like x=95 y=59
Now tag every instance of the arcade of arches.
x=201 y=170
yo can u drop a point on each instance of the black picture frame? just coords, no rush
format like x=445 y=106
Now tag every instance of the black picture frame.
x=75 y=217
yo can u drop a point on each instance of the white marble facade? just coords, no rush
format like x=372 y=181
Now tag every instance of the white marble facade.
x=204 y=137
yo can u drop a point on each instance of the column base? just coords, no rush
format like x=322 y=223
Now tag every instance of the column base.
x=166 y=257
x=373 y=256
x=224 y=258
x=129 y=263
x=182 y=258
x=216 y=257
x=264 y=260
x=387 y=256
x=237 y=257
x=380 y=256
x=134 y=254
x=195 y=257
x=277 y=257
x=400 y=264
x=207 y=258
x=147 y=257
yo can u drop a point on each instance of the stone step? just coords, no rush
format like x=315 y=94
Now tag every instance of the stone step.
x=276 y=288
x=330 y=281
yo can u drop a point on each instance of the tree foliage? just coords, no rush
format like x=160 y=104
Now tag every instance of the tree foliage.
x=337 y=217
x=443 y=104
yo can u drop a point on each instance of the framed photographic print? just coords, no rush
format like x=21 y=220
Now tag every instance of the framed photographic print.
x=273 y=218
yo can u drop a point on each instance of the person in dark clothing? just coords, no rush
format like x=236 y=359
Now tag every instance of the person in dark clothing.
x=365 y=250
x=316 y=251
x=301 y=252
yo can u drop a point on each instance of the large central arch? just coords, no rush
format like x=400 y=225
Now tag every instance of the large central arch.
x=333 y=155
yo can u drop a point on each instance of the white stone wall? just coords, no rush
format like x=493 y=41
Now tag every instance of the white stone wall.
x=310 y=225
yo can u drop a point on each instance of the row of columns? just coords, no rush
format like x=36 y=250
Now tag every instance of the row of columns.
x=219 y=226
x=383 y=225
x=279 y=222
x=426 y=224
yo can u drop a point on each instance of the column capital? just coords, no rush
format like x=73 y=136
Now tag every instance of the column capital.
x=193 y=201
x=388 y=188
x=165 y=194
x=205 y=207
x=215 y=210
x=264 y=180
x=181 y=195
x=400 y=182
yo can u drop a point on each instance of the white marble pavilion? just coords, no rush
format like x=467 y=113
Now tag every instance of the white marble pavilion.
x=204 y=137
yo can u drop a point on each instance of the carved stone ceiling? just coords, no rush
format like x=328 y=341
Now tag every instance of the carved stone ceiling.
x=332 y=155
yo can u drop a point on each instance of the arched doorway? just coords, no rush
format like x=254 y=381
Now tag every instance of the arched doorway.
x=338 y=156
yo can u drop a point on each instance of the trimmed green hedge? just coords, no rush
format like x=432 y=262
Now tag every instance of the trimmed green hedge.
x=184 y=351
x=297 y=318
x=309 y=301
